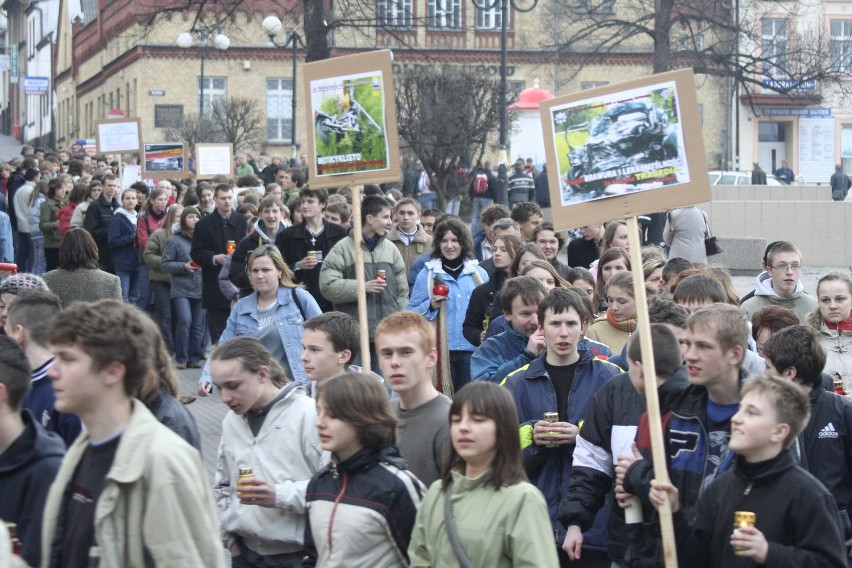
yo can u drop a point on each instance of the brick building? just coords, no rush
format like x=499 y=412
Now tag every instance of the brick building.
x=106 y=59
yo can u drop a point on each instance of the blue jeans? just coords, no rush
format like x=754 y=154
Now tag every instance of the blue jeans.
x=189 y=329
x=251 y=559
x=39 y=263
x=144 y=300
x=23 y=252
x=129 y=285
x=460 y=368
x=163 y=310
x=479 y=204
x=427 y=200
x=452 y=207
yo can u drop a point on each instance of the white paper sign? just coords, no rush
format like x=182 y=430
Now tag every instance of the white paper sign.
x=130 y=175
x=214 y=159
x=117 y=137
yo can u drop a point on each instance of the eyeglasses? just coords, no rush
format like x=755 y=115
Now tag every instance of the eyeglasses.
x=787 y=267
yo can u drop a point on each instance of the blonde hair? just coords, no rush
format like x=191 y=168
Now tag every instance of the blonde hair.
x=287 y=279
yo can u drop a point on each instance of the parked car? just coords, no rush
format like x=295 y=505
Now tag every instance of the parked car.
x=719 y=177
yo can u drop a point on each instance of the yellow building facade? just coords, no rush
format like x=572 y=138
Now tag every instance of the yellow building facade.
x=115 y=61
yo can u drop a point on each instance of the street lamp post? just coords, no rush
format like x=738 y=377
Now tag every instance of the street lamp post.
x=518 y=6
x=272 y=25
x=220 y=42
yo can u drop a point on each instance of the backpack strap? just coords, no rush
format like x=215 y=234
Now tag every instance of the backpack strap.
x=298 y=303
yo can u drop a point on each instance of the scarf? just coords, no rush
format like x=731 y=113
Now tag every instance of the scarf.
x=845 y=325
x=156 y=215
x=629 y=325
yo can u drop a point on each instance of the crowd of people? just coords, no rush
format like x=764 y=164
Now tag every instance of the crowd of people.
x=501 y=421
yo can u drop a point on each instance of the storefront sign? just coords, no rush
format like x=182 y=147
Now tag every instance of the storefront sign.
x=790 y=85
x=804 y=112
x=36 y=85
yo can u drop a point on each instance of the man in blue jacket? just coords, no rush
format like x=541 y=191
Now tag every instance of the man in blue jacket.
x=521 y=343
x=564 y=379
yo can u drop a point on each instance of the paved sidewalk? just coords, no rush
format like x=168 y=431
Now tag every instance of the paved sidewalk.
x=208 y=413
x=9 y=148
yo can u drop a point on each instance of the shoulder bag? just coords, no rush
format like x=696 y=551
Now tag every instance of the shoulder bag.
x=711 y=245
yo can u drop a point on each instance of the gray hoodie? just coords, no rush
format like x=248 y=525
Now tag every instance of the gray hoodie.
x=765 y=295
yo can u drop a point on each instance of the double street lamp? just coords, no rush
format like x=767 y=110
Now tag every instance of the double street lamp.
x=220 y=42
x=272 y=26
x=518 y=6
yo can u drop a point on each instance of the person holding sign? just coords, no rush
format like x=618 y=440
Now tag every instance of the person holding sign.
x=781 y=515
x=698 y=426
x=609 y=430
x=387 y=285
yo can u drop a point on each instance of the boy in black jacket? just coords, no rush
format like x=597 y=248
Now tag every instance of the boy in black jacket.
x=29 y=455
x=795 y=517
x=825 y=445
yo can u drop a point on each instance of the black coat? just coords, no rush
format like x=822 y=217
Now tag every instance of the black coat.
x=481 y=300
x=793 y=510
x=211 y=235
x=542 y=188
x=825 y=448
x=28 y=468
x=294 y=244
x=582 y=253
x=97 y=221
x=16 y=180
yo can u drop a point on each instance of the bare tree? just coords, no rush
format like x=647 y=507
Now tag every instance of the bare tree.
x=446 y=112
x=714 y=37
x=238 y=120
x=194 y=130
x=319 y=20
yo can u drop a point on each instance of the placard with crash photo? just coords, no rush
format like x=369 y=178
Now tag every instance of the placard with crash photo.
x=616 y=144
x=349 y=130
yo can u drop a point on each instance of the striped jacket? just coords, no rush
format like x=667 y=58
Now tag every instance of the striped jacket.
x=362 y=511
x=609 y=430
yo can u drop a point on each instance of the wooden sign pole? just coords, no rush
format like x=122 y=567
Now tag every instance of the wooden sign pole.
x=643 y=328
x=360 y=288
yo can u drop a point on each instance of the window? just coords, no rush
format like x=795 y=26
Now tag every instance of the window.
x=840 y=48
x=279 y=109
x=773 y=46
x=445 y=14
x=771 y=132
x=691 y=43
x=586 y=85
x=214 y=90
x=595 y=6
x=395 y=13
x=490 y=18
